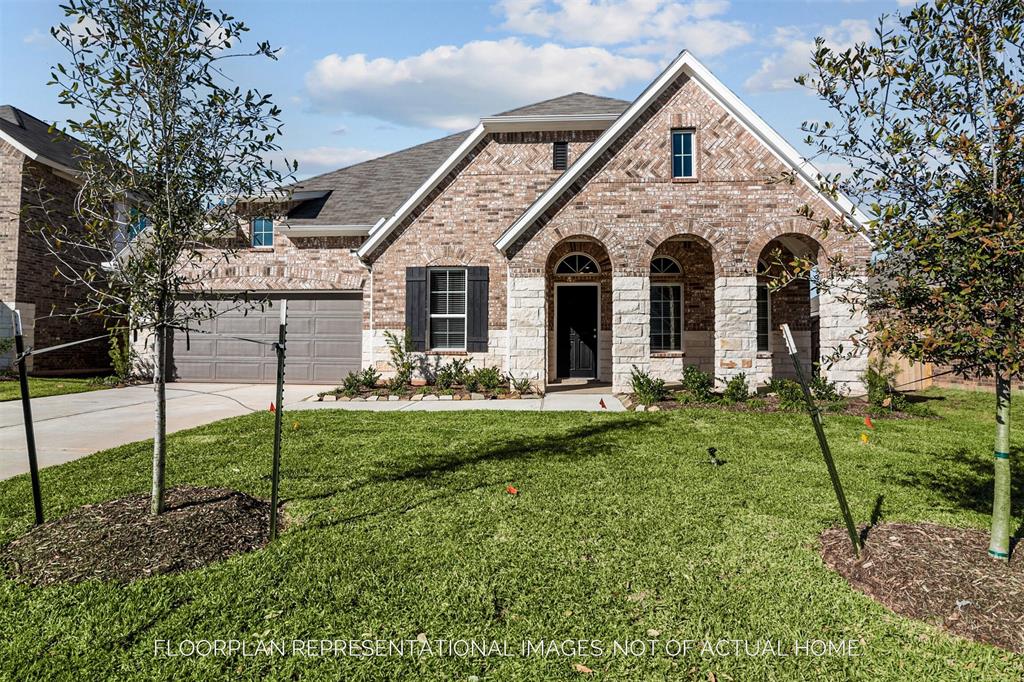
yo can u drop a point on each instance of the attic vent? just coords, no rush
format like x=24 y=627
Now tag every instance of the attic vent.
x=560 y=156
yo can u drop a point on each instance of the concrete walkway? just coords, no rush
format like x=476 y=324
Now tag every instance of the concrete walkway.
x=69 y=427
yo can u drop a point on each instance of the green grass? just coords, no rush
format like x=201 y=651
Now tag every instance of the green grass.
x=39 y=387
x=402 y=526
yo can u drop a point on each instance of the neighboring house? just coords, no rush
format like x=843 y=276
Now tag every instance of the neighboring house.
x=35 y=164
x=573 y=238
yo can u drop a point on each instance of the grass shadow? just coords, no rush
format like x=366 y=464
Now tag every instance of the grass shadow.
x=966 y=481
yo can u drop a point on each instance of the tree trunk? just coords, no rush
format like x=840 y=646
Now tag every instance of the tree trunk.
x=999 y=546
x=160 y=426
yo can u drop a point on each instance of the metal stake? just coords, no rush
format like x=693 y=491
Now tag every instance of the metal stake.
x=26 y=407
x=822 y=441
x=275 y=476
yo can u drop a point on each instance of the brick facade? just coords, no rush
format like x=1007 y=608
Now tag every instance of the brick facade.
x=27 y=269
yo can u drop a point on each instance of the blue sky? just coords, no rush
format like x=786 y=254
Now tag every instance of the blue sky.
x=359 y=79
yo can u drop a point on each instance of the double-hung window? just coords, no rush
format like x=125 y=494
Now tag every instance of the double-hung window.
x=262 y=232
x=448 y=309
x=683 y=160
x=666 y=317
x=764 y=323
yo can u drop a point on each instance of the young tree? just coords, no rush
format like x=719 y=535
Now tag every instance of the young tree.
x=172 y=155
x=928 y=115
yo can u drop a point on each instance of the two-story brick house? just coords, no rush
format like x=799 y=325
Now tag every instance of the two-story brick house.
x=573 y=238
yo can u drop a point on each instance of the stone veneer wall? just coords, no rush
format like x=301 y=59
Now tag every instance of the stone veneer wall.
x=631 y=329
x=838 y=323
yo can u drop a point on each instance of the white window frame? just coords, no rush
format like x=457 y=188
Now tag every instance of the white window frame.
x=431 y=315
x=675 y=285
x=682 y=155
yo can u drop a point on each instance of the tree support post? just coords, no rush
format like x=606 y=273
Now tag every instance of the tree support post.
x=26 y=408
x=822 y=441
x=999 y=545
x=275 y=475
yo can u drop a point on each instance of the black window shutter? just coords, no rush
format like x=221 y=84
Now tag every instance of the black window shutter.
x=476 y=309
x=416 y=307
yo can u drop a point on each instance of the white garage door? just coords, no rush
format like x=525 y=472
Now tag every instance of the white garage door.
x=324 y=342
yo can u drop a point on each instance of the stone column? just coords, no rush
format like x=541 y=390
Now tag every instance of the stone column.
x=736 y=333
x=526 y=329
x=838 y=324
x=631 y=328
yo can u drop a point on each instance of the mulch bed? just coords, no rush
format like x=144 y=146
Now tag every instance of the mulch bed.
x=119 y=541
x=942 y=576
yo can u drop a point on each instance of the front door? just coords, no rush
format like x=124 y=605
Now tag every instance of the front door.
x=576 y=335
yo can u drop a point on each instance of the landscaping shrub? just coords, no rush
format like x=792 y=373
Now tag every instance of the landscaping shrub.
x=698 y=384
x=647 y=389
x=882 y=396
x=825 y=390
x=791 y=395
x=351 y=384
x=737 y=390
x=453 y=373
x=401 y=360
x=520 y=386
x=486 y=378
x=121 y=355
x=369 y=378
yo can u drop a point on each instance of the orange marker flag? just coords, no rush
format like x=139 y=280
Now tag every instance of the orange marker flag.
x=272 y=408
x=601 y=403
x=868 y=423
x=512 y=490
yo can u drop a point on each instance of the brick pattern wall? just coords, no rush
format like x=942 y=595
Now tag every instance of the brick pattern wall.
x=466 y=213
x=45 y=298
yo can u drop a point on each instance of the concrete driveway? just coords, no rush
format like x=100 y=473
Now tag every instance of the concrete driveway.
x=71 y=426
x=68 y=427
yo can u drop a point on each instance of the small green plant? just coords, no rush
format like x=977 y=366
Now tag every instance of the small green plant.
x=737 y=390
x=520 y=386
x=882 y=395
x=646 y=388
x=486 y=378
x=756 y=404
x=351 y=384
x=453 y=373
x=791 y=396
x=121 y=354
x=700 y=385
x=369 y=377
x=401 y=360
x=825 y=390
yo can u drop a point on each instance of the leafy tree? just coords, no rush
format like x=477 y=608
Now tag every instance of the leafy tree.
x=928 y=116
x=172 y=163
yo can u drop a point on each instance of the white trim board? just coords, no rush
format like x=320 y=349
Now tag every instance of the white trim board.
x=687 y=64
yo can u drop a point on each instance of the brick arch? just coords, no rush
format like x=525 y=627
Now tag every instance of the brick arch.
x=825 y=244
x=591 y=248
x=712 y=239
x=535 y=255
x=444 y=254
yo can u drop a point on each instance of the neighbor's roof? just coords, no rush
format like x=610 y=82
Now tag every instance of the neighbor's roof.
x=32 y=137
x=568 y=105
x=365 y=192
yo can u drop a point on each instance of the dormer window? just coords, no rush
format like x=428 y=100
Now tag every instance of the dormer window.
x=560 y=156
x=684 y=165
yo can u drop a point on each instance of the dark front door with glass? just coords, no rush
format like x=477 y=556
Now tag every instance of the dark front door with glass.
x=576 y=333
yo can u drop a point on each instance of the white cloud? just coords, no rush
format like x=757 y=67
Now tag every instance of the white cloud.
x=643 y=26
x=795 y=49
x=35 y=37
x=320 y=159
x=450 y=87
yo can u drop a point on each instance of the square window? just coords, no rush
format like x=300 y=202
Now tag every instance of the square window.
x=448 y=309
x=683 y=165
x=262 y=232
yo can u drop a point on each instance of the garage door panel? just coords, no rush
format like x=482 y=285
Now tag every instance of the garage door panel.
x=324 y=342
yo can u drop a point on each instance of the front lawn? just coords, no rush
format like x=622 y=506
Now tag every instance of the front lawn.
x=40 y=387
x=401 y=526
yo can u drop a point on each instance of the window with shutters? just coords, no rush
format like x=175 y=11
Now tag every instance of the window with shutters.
x=666 y=317
x=447 y=309
x=560 y=155
x=764 y=322
x=684 y=166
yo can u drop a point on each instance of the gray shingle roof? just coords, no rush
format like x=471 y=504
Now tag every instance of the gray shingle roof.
x=576 y=103
x=35 y=134
x=365 y=192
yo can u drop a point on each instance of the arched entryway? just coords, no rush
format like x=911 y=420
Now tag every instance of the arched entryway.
x=578 y=282
x=795 y=304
